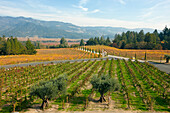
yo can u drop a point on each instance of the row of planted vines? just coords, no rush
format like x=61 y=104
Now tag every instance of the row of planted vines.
x=47 y=55
x=143 y=87
x=140 y=54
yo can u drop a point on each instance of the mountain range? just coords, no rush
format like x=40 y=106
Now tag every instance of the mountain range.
x=29 y=27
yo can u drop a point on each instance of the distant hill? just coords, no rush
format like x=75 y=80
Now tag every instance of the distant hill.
x=23 y=27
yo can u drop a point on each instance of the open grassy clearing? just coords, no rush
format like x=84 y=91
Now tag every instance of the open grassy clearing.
x=143 y=87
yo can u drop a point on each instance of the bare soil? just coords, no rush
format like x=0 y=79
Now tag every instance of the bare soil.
x=54 y=110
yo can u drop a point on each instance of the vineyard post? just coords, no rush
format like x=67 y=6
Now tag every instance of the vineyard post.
x=86 y=102
x=151 y=106
x=128 y=101
x=109 y=99
x=67 y=99
x=135 y=57
x=160 y=59
x=63 y=104
x=99 y=53
x=145 y=56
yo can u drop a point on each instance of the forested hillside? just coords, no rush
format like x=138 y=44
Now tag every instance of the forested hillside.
x=29 y=27
x=135 y=40
x=11 y=46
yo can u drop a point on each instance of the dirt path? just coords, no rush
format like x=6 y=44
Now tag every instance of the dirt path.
x=53 y=110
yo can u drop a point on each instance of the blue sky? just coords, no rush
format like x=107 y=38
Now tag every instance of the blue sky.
x=115 y=13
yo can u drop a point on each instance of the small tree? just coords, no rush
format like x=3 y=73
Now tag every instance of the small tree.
x=82 y=42
x=47 y=90
x=30 y=48
x=167 y=58
x=63 y=43
x=104 y=84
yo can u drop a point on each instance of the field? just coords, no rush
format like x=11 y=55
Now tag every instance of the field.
x=143 y=87
x=73 y=53
x=140 y=54
x=46 y=55
x=50 y=41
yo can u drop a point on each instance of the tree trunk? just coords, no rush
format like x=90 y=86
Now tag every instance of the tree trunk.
x=14 y=107
x=47 y=103
x=44 y=104
x=102 y=98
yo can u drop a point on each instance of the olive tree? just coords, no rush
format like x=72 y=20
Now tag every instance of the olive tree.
x=47 y=90
x=103 y=84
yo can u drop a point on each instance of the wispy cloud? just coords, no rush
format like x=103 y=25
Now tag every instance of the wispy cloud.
x=95 y=11
x=41 y=7
x=122 y=2
x=155 y=11
x=81 y=5
x=83 y=8
x=83 y=2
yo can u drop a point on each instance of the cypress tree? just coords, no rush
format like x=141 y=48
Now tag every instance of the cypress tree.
x=82 y=42
x=135 y=56
x=30 y=48
x=145 y=56
x=12 y=45
x=99 y=53
x=8 y=47
x=16 y=46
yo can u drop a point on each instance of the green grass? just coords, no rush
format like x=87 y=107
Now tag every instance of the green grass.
x=77 y=102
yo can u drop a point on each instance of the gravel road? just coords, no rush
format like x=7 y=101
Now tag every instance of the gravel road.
x=162 y=67
x=48 y=62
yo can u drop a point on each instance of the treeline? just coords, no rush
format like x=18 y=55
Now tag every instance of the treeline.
x=11 y=46
x=135 y=40
x=98 y=41
x=64 y=44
